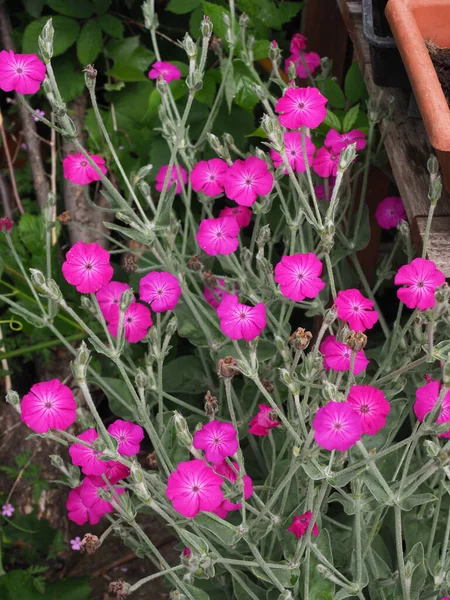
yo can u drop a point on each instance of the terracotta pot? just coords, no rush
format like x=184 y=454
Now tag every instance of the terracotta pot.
x=412 y=22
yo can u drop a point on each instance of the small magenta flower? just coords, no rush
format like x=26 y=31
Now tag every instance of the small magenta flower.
x=84 y=503
x=208 y=176
x=231 y=473
x=108 y=297
x=87 y=458
x=215 y=294
x=6 y=224
x=78 y=170
x=299 y=276
x=87 y=267
x=22 y=73
x=312 y=60
x=129 y=435
x=8 y=510
x=357 y=310
x=242 y=214
x=337 y=426
x=421 y=277
x=137 y=320
x=194 y=487
x=217 y=439
x=76 y=543
x=337 y=356
x=298 y=43
x=390 y=212
x=240 y=321
x=218 y=236
x=301 y=523
x=301 y=107
x=294 y=152
x=174 y=177
x=262 y=423
x=114 y=472
x=247 y=179
x=40 y=113
x=326 y=162
x=165 y=70
x=371 y=406
x=426 y=398
x=48 y=405
x=161 y=290
x=338 y=141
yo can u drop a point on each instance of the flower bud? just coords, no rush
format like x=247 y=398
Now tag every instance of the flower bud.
x=53 y=291
x=139 y=485
x=446 y=372
x=243 y=21
x=246 y=257
x=431 y=448
x=90 y=76
x=435 y=189
x=433 y=165
x=228 y=139
x=292 y=71
x=206 y=27
x=330 y=315
x=182 y=430
x=126 y=299
x=171 y=327
x=346 y=157
x=226 y=367
x=141 y=380
x=300 y=339
x=90 y=543
x=286 y=595
x=356 y=341
x=37 y=277
x=80 y=364
x=374 y=111
x=190 y=47
x=45 y=41
x=150 y=17
x=274 y=52
x=264 y=235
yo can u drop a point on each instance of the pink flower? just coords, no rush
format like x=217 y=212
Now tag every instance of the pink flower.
x=298 y=276
x=298 y=43
x=326 y=162
x=262 y=423
x=114 y=472
x=390 y=212
x=208 y=176
x=371 y=406
x=230 y=473
x=48 y=405
x=87 y=267
x=174 y=177
x=337 y=426
x=294 y=152
x=354 y=308
x=136 y=322
x=426 y=398
x=312 y=60
x=108 y=297
x=8 y=510
x=129 y=435
x=78 y=170
x=165 y=70
x=218 y=236
x=6 y=224
x=76 y=543
x=247 y=179
x=239 y=321
x=242 y=214
x=85 y=504
x=217 y=439
x=87 y=458
x=301 y=107
x=215 y=294
x=422 y=278
x=22 y=73
x=337 y=356
x=194 y=487
x=301 y=523
x=161 y=290
x=338 y=141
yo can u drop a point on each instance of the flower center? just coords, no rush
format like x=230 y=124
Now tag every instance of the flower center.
x=83 y=163
x=392 y=212
x=122 y=438
x=293 y=153
x=216 y=440
x=243 y=315
x=364 y=408
x=88 y=267
x=356 y=308
x=248 y=181
x=160 y=292
x=420 y=284
x=219 y=234
x=300 y=276
x=129 y=320
x=212 y=177
x=195 y=489
x=300 y=105
x=337 y=426
x=48 y=404
x=19 y=70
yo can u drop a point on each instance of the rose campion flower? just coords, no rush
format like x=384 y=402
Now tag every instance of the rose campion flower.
x=48 y=405
x=218 y=236
x=87 y=267
x=78 y=170
x=247 y=179
x=229 y=473
x=294 y=152
x=262 y=423
x=240 y=321
x=6 y=224
x=165 y=70
x=108 y=297
x=371 y=406
x=161 y=290
x=76 y=543
x=242 y=214
x=426 y=398
x=298 y=43
x=217 y=439
x=114 y=472
x=356 y=310
x=299 y=276
x=301 y=523
x=338 y=141
x=390 y=212
x=326 y=162
x=421 y=277
x=312 y=60
x=174 y=177
x=194 y=487
x=301 y=107
x=337 y=426
x=22 y=73
x=337 y=356
x=129 y=435
x=87 y=458
x=137 y=320
x=8 y=510
x=215 y=294
x=85 y=504
x=208 y=176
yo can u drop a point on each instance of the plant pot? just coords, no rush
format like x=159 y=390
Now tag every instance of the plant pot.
x=387 y=65
x=412 y=22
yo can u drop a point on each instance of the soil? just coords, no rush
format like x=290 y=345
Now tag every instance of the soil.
x=441 y=61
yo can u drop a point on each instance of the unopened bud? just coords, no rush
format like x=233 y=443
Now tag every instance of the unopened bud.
x=90 y=543
x=190 y=47
x=446 y=372
x=435 y=189
x=80 y=364
x=182 y=429
x=347 y=157
x=431 y=448
x=300 y=339
x=274 y=52
x=45 y=41
x=330 y=315
x=433 y=165
x=356 y=341
x=141 y=380
x=243 y=21
x=226 y=367
x=37 y=277
x=13 y=398
x=53 y=291
x=206 y=27
x=292 y=71
x=126 y=299
x=161 y=86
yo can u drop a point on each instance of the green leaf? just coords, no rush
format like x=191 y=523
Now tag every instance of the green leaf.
x=70 y=81
x=350 y=118
x=362 y=237
x=259 y=132
x=82 y=9
x=197 y=593
x=245 y=96
x=230 y=88
x=184 y=375
x=188 y=326
x=130 y=59
x=224 y=531
x=333 y=92
x=119 y=397
x=66 y=33
x=175 y=450
x=354 y=85
x=320 y=587
x=241 y=592
x=419 y=573
x=287 y=578
x=181 y=7
x=89 y=43
x=34 y=7
x=112 y=26
x=194 y=22
x=261 y=49
x=32 y=233
x=73 y=588
x=208 y=91
x=332 y=121
x=410 y=502
x=101 y=6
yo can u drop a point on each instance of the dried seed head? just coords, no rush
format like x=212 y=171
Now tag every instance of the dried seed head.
x=209 y=278
x=129 y=264
x=211 y=404
x=300 y=339
x=356 y=341
x=90 y=71
x=226 y=367
x=152 y=460
x=65 y=217
x=90 y=543
x=194 y=264
x=119 y=588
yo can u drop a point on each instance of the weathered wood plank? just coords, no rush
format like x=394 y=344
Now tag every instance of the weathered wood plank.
x=439 y=243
